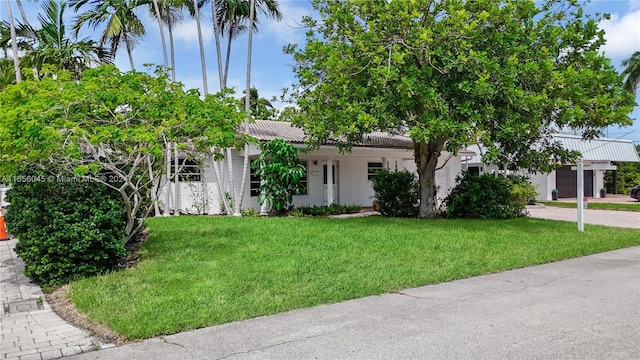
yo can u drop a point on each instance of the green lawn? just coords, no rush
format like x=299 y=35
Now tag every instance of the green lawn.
x=597 y=206
x=201 y=271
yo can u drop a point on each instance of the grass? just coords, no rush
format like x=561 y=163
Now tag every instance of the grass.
x=597 y=206
x=201 y=271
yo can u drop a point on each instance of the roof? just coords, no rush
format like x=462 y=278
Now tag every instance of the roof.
x=265 y=130
x=601 y=148
x=597 y=149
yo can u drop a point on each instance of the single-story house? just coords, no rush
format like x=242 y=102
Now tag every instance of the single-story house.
x=332 y=176
x=599 y=154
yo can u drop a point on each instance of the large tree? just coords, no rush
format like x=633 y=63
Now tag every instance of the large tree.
x=453 y=72
x=113 y=129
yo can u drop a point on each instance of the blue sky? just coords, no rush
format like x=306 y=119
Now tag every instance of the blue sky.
x=271 y=68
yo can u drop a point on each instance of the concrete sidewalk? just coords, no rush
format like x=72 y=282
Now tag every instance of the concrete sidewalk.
x=630 y=219
x=29 y=329
x=584 y=308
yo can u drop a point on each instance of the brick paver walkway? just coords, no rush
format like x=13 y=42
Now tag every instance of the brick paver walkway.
x=32 y=333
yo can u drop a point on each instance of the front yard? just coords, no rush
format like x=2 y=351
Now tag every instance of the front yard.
x=201 y=271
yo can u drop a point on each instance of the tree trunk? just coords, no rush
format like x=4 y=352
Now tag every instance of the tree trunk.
x=228 y=55
x=14 y=43
x=247 y=106
x=22 y=14
x=129 y=50
x=164 y=44
x=205 y=90
x=426 y=156
x=216 y=34
x=172 y=50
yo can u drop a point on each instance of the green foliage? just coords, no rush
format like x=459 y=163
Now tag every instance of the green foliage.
x=333 y=209
x=112 y=128
x=250 y=212
x=66 y=230
x=522 y=193
x=396 y=193
x=261 y=108
x=450 y=73
x=280 y=172
x=488 y=196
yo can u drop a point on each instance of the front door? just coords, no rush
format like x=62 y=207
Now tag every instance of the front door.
x=325 y=197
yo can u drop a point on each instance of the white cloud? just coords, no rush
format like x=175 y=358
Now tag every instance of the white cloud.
x=187 y=32
x=289 y=29
x=622 y=34
x=634 y=5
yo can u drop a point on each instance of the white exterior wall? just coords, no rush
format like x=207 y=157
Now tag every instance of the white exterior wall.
x=544 y=184
x=352 y=186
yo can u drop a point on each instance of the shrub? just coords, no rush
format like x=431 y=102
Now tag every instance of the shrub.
x=488 y=197
x=280 y=171
x=396 y=193
x=333 y=209
x=65 y=230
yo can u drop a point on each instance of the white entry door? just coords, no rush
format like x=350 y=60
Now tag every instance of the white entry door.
x=336 y=196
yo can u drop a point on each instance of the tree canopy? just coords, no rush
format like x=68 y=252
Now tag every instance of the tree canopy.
x=450 y=73
x=112 y=128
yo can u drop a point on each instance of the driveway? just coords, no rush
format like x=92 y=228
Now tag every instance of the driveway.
x=584 y=308
x=630 y=219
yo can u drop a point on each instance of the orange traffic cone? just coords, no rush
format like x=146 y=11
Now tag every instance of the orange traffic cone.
x=3 y=229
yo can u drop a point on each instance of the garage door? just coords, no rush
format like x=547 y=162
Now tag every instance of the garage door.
x=566 y=180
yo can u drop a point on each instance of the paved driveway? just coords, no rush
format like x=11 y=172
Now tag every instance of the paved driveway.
x=630 y=219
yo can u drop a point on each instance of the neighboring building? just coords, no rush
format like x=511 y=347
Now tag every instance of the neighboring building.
x=602 y=154
x=332 y=177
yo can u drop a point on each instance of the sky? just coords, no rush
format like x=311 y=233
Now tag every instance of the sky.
x=271 y=68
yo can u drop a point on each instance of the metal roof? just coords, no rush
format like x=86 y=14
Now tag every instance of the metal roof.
x=265 y=130
x=600 y=149
x=597 y=149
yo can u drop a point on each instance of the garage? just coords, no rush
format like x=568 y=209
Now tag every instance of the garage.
x=566 y=182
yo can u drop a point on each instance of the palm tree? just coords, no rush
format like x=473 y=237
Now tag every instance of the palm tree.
x=201 y=43
x=632 y=72
x=49 y=44
x=14 y=43
x=158 y=16
x=232 y=17
x=247 y=103
x=170 y=13
x=261 y=108
x=123 y=27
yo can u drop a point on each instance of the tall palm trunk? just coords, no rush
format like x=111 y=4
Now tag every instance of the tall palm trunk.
x=22 y=14
x=202 y=61
x=127 y=43
x=216 y=35
x=14 y=43
x=247 y=105
x=172 y=50
x=228 y=55
x=164 y=44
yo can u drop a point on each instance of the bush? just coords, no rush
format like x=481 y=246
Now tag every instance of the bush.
x=65 y=230
x=488 y=196
x=396 y=193
x=333 y=209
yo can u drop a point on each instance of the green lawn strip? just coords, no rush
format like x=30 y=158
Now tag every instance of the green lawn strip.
x=202 y=271
x=596 y=206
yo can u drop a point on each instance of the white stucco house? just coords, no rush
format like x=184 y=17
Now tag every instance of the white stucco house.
x=332 y=177
x=599 y=154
